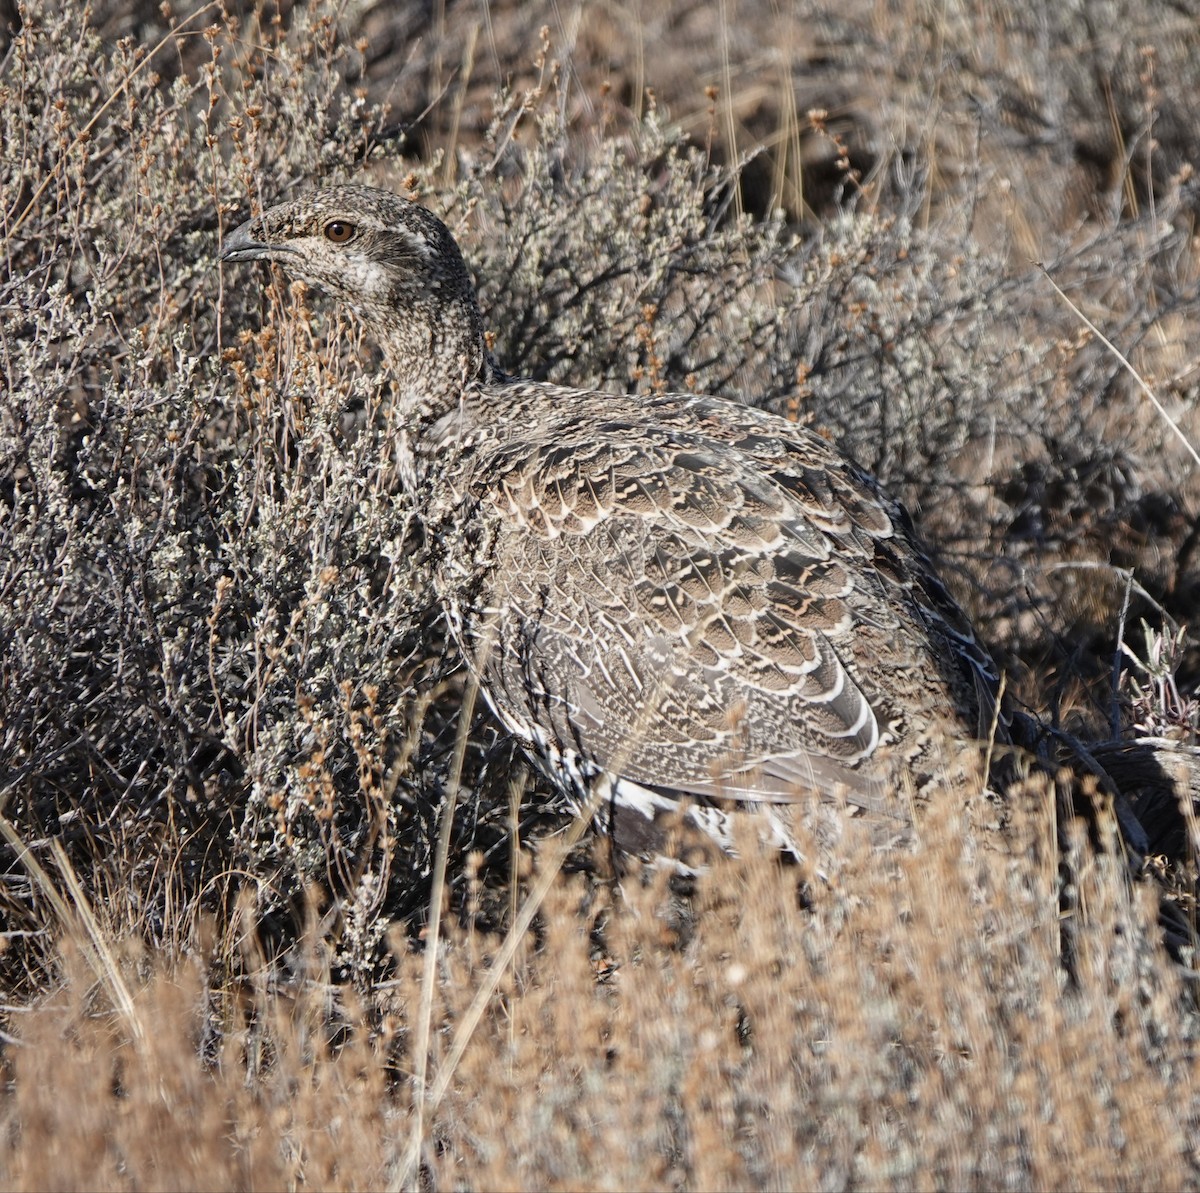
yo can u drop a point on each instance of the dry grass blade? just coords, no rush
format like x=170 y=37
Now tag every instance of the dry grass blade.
x=599 y=794
x=1176 y=430
x=79 y=923
x=101 y=958
x=433 y=930
x=407 y=1174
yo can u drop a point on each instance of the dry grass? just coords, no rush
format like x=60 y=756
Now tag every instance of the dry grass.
x=912 y=1030
x=228 y=720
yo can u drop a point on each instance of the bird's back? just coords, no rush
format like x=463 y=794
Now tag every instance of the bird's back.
x=703 y=600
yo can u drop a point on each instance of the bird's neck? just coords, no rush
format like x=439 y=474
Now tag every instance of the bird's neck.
x=435 y=354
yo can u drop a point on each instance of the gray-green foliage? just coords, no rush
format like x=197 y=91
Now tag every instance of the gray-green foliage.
x=186 y=543
x=220 y=668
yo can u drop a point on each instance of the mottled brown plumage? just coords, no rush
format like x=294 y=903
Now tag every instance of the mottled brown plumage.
x=705 y=600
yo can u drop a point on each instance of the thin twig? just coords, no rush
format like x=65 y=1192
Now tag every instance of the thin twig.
x=1126 y=574
x=1114 y=713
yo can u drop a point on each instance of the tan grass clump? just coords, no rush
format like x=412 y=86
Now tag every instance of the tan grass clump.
x=912 y=1029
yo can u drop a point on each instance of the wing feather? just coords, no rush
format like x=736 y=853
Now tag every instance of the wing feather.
x=718 y=603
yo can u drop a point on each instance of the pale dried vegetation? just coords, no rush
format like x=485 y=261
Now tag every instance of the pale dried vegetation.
x=228 y=718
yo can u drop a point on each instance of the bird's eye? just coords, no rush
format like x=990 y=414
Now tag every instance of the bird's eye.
x=339 y=232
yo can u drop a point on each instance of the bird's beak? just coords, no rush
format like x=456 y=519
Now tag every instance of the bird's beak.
x=240 y=245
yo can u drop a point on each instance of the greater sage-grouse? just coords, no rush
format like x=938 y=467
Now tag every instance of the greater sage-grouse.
x=677 y=597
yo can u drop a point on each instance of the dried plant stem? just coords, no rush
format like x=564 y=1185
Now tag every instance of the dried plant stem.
x=79 y=922
x=85 y=133
x=433 y=931
x=1175 y=428
x=601 y=792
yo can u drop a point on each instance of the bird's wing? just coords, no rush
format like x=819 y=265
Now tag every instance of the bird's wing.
x=714 y=605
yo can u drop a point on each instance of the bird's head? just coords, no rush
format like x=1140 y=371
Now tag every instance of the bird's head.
x=393 y=262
